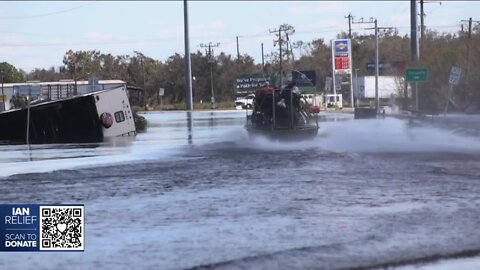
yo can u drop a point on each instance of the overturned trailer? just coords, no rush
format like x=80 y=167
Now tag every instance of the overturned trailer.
x=86 y=118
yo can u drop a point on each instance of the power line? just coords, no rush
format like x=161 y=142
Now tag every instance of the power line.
x=46 y=14
x=28 y=33
x=173 y=39
x=155 y=40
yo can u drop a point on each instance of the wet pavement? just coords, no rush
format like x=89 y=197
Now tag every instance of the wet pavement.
x=362 y=194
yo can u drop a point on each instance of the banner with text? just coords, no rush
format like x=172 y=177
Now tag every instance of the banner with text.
x=246 y=84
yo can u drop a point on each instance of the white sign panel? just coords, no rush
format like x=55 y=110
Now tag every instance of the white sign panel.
x=161 y=92
x=455 y=73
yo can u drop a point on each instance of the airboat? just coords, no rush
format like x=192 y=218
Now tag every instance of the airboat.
x=282 y=114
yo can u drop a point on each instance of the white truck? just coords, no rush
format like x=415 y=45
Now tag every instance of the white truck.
x=245 y=102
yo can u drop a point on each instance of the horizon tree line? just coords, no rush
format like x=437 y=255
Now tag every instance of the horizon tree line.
x=440 y=51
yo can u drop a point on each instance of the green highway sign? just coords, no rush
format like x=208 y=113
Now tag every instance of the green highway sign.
x=416 y=75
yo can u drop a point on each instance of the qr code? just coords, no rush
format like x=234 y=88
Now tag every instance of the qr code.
x=62 y=228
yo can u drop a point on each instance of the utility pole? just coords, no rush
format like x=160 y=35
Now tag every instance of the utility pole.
x=470 y=21
x=414 y=42
x=280 y=41
x=414 y=31
x=288 y=49
x=281 y=77
x=350 y=19
x=188 y=64
x=377 y=68
x=3 y=94
x=144 y=90
x=376 y=28
x=422 y=24
x=280 y=56
x=142 y=58
x=263 y=59
x=417 y=49
x=356 y=83
x=377 y=64
x=238 y=51
x=211 y=61
x=75 y=74
x=470 y=28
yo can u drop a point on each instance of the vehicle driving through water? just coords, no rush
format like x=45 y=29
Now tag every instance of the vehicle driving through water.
x=282 y=113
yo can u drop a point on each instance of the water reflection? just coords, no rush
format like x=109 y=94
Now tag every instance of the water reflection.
x=190 y=127
x=35 y=152
x=167 y=132
x=211 y=123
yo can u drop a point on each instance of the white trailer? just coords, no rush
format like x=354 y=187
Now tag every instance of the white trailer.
x=113 y=105
x=86 y=118
x=388 y=87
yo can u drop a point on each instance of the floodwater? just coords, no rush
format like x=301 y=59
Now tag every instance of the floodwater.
x=362 y=194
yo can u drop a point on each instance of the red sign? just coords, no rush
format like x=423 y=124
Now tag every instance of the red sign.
x=342 y=63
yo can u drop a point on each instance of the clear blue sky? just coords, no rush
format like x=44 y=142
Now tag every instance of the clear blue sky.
x=36 y=34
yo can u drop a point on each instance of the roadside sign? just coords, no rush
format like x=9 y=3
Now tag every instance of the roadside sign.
x=161 y=92
x=455 y=73
x=416 y=75
x=342 y=56
x=371 y=66
x=249 y=83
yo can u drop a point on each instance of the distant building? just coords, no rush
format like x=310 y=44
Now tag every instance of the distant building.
x=54 y=90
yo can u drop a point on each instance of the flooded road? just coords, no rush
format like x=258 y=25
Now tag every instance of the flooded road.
x=363 y=193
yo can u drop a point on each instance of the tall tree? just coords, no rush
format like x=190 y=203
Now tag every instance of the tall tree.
x=10 y=74
x=82 y=65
